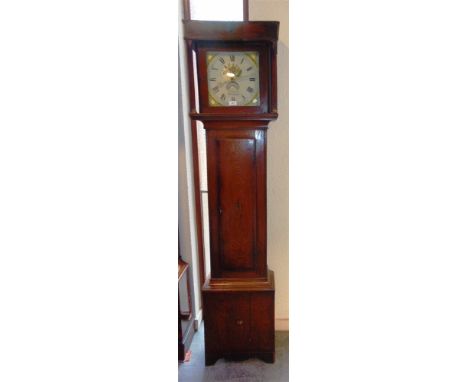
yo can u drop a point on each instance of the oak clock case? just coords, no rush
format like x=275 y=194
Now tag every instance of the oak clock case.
x=238 y=296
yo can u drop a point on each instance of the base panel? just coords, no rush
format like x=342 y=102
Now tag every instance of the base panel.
x=239 y=321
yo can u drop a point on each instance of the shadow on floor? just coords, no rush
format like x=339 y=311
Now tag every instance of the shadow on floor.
x=251 y=370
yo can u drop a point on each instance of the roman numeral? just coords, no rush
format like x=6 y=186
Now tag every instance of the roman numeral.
x=243 y=97
x=212 y=79
x=252 y=79
x=223 y=96
x=232 y=58
x=249 y=68
x=216 y=89
x=222 y=60
x=243 y=58
x=233 y=98
x=250 y=90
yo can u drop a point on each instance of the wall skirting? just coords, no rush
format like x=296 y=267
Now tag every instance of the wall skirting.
x=198 y=319
x=282 y=324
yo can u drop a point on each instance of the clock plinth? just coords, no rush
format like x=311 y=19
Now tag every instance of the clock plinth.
x=236 y=84
x=239 y=319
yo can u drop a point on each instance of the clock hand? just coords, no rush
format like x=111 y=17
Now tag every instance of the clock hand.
x=243 y=77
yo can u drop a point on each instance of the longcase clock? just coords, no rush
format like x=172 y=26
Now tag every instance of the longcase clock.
x=235 y=91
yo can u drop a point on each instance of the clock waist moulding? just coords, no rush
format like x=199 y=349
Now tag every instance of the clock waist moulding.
x=234 y=94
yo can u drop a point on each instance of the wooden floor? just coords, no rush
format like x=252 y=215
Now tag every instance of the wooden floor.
x=251 y=370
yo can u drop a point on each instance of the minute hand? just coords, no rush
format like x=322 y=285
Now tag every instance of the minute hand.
x=243 y=77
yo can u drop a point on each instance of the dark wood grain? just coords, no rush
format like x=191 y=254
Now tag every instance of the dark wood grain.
x=240 y=323
x=231 y=30
x=237 y=201
x=234 y=117
x=229 y=316
x=262 y=324
x=274 y=84
x=236 y=189
x=232 y=285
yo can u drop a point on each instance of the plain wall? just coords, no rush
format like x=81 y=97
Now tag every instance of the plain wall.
x=278 y=158
x=186 y=213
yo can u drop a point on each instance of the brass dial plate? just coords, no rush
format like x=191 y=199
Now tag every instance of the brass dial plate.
x=233 y=78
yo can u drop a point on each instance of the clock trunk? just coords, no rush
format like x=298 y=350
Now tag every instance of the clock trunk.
x=236 y=160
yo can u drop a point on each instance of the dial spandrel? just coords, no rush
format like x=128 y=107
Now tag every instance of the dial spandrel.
x=233 y=78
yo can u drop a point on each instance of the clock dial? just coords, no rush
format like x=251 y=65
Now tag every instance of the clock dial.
x=233 y=78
